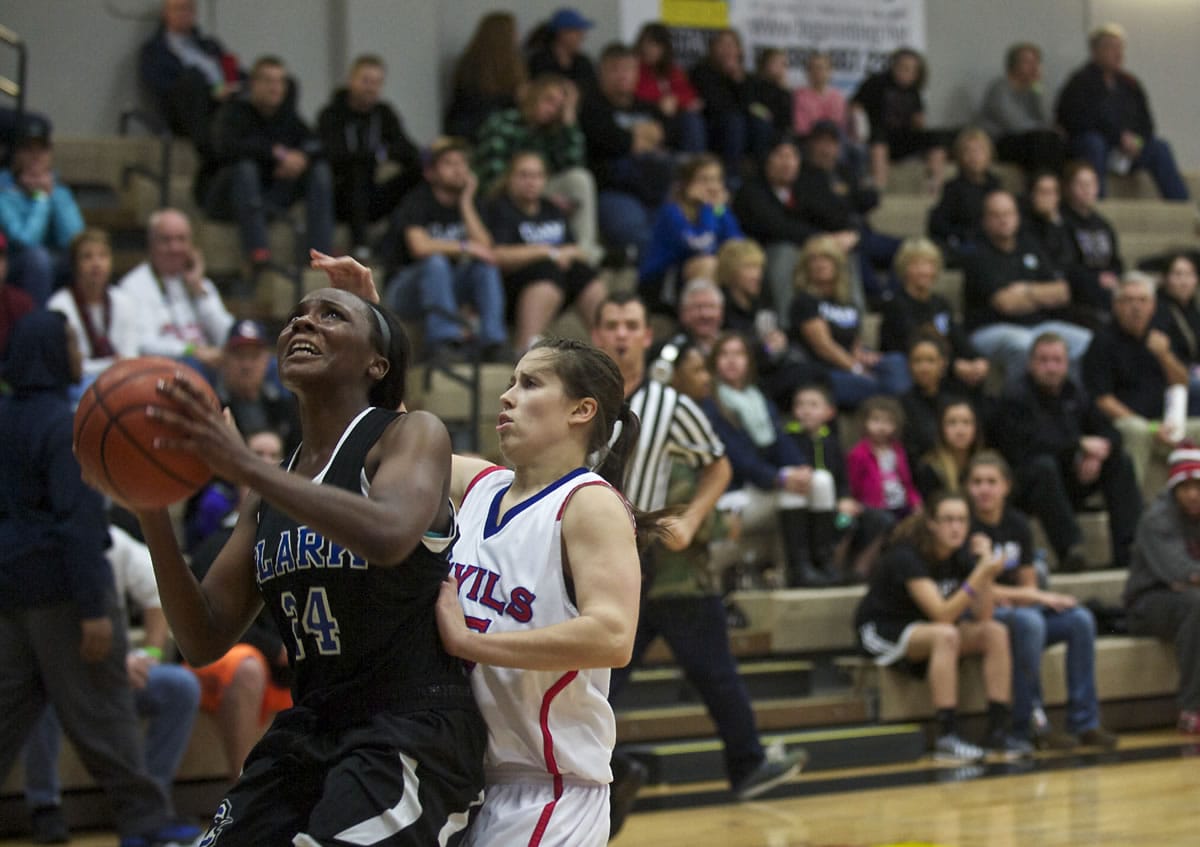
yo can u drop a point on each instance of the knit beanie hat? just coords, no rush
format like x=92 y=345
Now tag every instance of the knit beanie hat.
x=1184 y=464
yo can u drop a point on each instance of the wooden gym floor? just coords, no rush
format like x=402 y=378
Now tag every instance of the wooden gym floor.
x=1141 y=795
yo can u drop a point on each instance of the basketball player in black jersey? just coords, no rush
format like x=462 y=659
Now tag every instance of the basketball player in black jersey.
x=346 y=546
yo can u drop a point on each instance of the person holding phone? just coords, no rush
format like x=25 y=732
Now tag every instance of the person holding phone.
x=1035 y=618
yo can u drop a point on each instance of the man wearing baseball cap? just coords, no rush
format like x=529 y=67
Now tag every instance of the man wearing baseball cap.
x=561 y=52
x=1162 y=593
x=256 y=401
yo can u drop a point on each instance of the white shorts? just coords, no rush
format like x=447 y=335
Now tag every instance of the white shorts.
x=524 y=814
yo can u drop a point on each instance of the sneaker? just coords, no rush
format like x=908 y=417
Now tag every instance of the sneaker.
x=769 y=774
x=1100 y=737
x=951 y=748
x=1054 y=739
x=49 y=825
x=1008 y=746
x=177 y=834
x=628 y=777
x=1189 y=723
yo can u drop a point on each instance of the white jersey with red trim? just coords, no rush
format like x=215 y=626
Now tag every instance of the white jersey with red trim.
x=510 y=578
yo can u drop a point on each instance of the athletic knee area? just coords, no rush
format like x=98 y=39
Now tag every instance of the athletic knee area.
x=250 y=675
x=945 y=638
x=995 y=636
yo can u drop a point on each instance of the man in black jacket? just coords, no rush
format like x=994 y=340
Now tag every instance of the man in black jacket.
x=1046 y=419
x=1106 y=115
x=265 y=155
x=360 y=132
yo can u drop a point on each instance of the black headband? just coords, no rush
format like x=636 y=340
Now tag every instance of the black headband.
x=384 y=330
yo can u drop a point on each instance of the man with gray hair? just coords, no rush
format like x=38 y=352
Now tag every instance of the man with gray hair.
x=702 y=312
x=180 y=313
x=1131 y=372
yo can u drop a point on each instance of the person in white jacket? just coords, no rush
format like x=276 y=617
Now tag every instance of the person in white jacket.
x=105 y=320
x=180 y=310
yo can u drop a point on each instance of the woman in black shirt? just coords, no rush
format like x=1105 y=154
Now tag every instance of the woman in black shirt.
x=929 y=602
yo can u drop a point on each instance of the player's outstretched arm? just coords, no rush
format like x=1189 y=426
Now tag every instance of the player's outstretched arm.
x=602 y=560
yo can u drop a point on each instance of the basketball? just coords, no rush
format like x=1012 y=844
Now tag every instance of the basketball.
x=114 y=438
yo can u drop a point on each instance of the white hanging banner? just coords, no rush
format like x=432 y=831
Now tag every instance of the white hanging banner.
x=858 y=35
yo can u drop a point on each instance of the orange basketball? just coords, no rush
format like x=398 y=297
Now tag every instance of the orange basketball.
x=114 y=438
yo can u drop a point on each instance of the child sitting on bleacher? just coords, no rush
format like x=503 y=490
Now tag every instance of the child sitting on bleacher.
x=877 y=465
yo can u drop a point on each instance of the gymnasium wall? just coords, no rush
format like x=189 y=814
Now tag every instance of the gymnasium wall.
x=83 y=52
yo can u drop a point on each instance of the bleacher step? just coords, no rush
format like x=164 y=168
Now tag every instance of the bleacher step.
x=771 y=679
x=699 y=760
x=690 y=721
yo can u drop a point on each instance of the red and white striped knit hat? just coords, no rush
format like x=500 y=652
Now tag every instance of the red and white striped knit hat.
x=1185 y=463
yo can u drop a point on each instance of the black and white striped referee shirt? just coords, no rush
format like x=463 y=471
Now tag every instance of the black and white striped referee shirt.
x=673 y=427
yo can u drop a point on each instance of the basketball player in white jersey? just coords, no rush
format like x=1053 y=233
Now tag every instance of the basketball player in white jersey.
x=546 y=572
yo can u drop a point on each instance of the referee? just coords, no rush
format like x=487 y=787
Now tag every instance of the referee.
x=674 y=429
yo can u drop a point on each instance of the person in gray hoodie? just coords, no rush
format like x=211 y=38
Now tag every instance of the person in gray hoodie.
x=1162 y=593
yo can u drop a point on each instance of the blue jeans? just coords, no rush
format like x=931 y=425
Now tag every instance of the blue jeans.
x=1156 y=158
x=1009 y=344
x=35 y=269
x=238 y=192
x=1031 y=630
x=169 y=702
x=623 y=220
x=695 y=630
x=890 y=376
x=434 y=288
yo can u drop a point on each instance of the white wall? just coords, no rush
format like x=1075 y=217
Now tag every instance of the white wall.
x=83 y=52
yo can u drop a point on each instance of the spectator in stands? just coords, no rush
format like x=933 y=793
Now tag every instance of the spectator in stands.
x=1057 y=440
x=776 y=483
x=40 y=217
x=1097 y=258
x=833 y=199
x=1162 y=594
x=14 y=303
x=740 y=264
x=826 y=325
x=1035 y=618
x=928 y=365
x=687 y=233
x=701 y=313
x=1014 y=114
x=165 y=695
x=1106 y=115
x=106 y=322
x=626 y=144
x=189 y=74
x=954 y=222
x=1011 y=292
x=769 y=99
x=1128 y=369
x=1179 y=316
x=877 y=466
x=917 y=308
x=487 y=76
x=359 y=133
x=768 y=208
x=64 y=642
x=683 y=605
x=562 y=50
x=251 y=682
x=181 y=313
x=819 y=100
x=1042 y=219
x=446 y=258
x=544 y=267
x=18 y=125
x=264 y=159
x=959 y=438
x=891 y=102
x=545 y=123
x=721 y=81
x=664 y=83
x=256 y=401
x=860 y=531
x=929 y=603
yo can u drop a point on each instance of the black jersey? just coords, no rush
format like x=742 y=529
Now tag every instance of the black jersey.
x=361 y=639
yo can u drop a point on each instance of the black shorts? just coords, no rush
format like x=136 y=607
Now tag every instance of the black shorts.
x=394 y=781
x=570 y=281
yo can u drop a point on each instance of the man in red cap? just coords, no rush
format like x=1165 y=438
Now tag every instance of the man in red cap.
x=1162 y=593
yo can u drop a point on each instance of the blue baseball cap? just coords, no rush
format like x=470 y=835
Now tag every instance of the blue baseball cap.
x=567 y=18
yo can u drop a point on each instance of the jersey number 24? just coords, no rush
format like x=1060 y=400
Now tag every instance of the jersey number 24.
x=315 y=620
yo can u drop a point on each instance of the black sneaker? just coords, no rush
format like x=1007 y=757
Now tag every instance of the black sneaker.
x=1100 y=737
x=49 y=825
x=628 y=777
x=1054 y=739
x=1008 y=746
x=770 y=774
